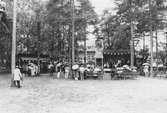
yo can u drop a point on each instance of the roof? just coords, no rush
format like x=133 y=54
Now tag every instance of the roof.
x=88 y=52
x=32 y=55
x=116 y=52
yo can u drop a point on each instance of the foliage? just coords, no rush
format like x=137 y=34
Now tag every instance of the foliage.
x=59 y=19
x=162 y=55
x=116 y=28
x=144 y=53
x=5 y=40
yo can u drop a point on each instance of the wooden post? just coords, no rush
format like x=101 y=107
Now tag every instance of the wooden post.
x=73 y=33
x=13 y=64
x=39 y=41
x=144 y=41
x=156 y=43
x=151 y=41
x=132 y=46
x=166 y=47
x=85 y=49
x=132 y=36
x=143 y=45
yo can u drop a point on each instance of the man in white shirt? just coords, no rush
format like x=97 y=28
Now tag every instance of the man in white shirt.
x=17 y=76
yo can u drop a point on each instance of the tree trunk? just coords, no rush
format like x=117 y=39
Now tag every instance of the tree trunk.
x=39 y=40
x=85 y=52
x=151 y=40
x=132 y=36
x=108 y=35
x=156 y=43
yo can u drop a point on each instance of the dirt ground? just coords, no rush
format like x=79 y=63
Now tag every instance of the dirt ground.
x=48 y=95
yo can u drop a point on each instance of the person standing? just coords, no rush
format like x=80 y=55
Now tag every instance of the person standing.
x=82 y=70
x=29 y=70
x=17 y=77
x=75 y=71
x=51 y=68
x=32 y=67
x=146 y=70
x=38 y=70
x=59 y=65
x=67 y=70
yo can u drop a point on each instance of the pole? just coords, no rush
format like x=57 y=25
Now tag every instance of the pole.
x=85 y=34
x=151 y=41
x=39 y=37
x=132 y=36
x=73 y=33
x=166 y=47
x=132 y=46
x=102 y=54
x=14 y=39
x=85 y=52
x=73 y=38
x=144 y=41
x=156 y=43
x=143 y=46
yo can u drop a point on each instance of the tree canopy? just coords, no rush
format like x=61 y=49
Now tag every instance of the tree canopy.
x=116 y=28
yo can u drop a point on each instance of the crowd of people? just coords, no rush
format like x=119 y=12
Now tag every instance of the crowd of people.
x=60 y=69
x=79 y=71
x=57 y=69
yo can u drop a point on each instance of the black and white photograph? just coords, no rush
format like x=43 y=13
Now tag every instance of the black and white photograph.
x=83 y=56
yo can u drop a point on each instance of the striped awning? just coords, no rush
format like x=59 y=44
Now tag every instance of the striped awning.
x=116 y=52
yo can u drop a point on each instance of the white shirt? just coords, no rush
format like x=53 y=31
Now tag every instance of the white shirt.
x=17 y=74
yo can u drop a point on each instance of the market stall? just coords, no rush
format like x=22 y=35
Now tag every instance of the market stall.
x=118 y=62
x=112 y=56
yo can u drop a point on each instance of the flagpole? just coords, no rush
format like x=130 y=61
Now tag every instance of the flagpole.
x=14 y=37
